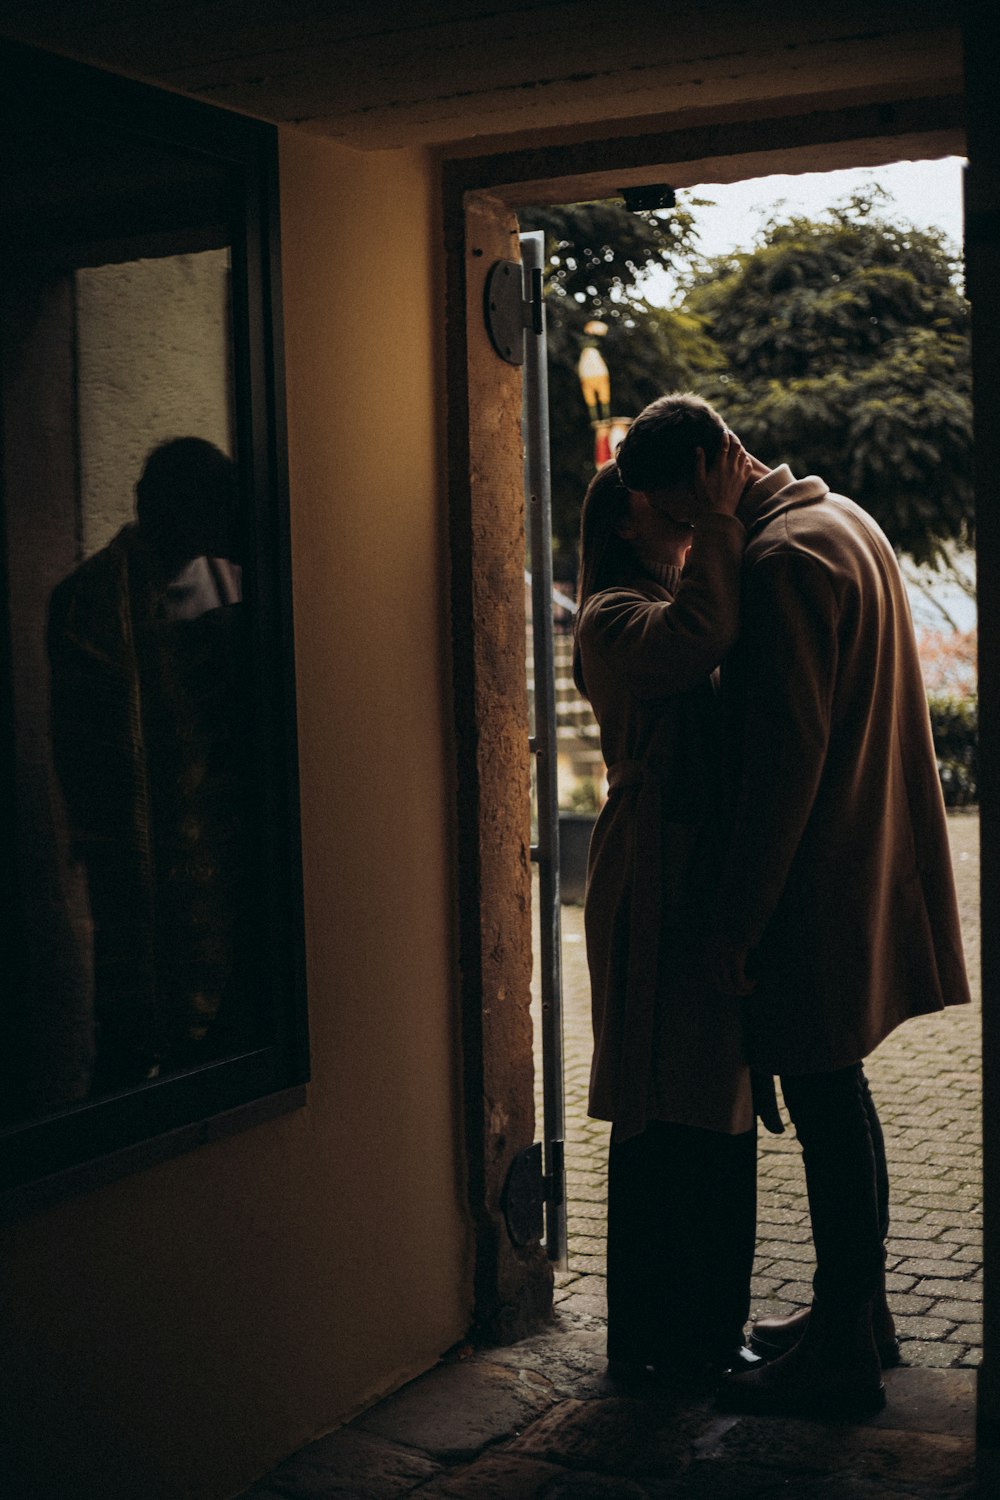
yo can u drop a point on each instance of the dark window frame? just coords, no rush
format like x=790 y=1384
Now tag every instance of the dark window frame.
x=94 y=1142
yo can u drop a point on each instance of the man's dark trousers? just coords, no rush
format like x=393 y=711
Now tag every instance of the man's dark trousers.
x=843 y=1151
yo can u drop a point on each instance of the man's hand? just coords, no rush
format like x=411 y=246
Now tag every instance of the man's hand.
x=725 y=969
x=722 y=488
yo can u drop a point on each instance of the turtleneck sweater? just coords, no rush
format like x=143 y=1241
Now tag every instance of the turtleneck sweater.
x=666 y=574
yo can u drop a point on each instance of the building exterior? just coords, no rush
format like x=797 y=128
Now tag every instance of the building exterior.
x=179 y=1329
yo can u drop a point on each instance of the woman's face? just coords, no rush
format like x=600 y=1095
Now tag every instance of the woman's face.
x=653 y=535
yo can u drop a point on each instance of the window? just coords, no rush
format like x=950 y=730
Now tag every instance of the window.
x=150 y=912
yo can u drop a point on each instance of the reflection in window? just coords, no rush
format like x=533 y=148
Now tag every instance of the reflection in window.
x=130 y=689
x=149 y=737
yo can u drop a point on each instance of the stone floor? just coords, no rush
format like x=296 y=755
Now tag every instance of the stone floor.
x=926 y=1081
x=540 y=1421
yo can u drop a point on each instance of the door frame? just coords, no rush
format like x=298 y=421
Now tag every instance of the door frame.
x=512 y=1285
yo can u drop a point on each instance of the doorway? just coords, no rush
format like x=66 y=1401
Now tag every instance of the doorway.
x=926 y=1077
x=478 y=198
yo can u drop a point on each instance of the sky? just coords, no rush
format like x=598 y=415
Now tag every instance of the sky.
x=926 y=193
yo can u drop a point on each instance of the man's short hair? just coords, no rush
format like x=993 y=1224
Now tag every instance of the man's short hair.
x=658 y=451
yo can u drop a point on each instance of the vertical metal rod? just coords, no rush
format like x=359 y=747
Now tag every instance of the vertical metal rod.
x=538 y=494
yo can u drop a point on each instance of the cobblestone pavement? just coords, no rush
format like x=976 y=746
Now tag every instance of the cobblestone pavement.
x=926 y=1082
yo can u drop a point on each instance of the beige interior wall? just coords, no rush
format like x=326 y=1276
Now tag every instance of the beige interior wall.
x=176 y=1333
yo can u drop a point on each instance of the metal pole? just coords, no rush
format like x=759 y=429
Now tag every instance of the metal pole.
x=537 y=485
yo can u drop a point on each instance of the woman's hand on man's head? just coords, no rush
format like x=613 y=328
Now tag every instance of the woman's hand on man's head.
x=721 y=487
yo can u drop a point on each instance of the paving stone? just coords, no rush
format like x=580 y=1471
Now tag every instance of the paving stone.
x=495 y=1477
x=923 y=1328
x=904 y=1213
x=721 y=1481
x=346 y=1465
x=909 y=1302
x=938 y=1354
x=792 y=1270
x=923 y=1267
x=622 y=1436
x=970 y=1252
x=956 y=1310
x=927 y=1247
x=456 y=1409
x=501 y=1477
x=961 y=1203
x=593 y=1307
x=768 y=1214
x=572 y=1359
x=920 y=1400
x=796 y=1293
x=591 y=1286
x=961 y=1291
x=765 y=1286
x=845 y=1453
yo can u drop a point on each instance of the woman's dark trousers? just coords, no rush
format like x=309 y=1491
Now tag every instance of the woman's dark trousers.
x=682 y=1210
x=843 y=1151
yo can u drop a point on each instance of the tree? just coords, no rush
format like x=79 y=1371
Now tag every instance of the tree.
x=846 y=353
x=597 y=255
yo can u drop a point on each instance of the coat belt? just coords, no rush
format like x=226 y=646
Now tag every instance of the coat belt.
x=635 y=1062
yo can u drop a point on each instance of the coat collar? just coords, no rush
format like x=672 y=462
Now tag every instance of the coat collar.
x=777 y=491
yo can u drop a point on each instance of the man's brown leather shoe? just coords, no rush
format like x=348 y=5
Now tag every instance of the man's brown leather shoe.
x=772 y=1337
x=782 y=1389
x=832 y=1371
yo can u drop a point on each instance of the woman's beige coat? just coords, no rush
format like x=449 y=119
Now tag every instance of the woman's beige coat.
x=838 y=879
x=663 y=1048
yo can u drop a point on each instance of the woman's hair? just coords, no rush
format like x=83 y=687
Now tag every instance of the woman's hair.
x=605 y=557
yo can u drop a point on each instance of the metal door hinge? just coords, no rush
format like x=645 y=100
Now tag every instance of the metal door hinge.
x=528 y=1191
x=508 y=312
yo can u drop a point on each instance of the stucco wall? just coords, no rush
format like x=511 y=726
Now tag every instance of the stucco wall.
x=174 y=1334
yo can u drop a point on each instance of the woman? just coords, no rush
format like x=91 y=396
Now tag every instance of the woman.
x=658 y=609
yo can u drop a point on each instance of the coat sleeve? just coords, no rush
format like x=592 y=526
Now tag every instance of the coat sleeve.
x=782 y=677
x=658 y=647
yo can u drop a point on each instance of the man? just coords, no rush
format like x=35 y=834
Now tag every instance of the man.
x=836 y=913
x=150 y=723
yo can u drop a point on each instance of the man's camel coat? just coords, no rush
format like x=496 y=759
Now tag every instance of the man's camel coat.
x=838 y=878
x=664 y=1048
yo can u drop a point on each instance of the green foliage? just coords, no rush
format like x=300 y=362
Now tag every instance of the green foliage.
x=955 y=726
x=837 y=345
x=846 y=353
x=596 y=257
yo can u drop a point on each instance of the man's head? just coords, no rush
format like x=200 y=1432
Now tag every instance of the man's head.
x=658 y=454
x=186 y=500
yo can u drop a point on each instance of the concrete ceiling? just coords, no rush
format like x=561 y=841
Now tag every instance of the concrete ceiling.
x=382 y=75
